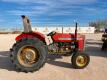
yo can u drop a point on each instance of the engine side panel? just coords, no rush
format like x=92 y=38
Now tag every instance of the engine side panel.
x=59 y=37
x=31 y=35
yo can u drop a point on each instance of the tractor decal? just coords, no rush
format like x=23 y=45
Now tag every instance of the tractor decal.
x=70 y=38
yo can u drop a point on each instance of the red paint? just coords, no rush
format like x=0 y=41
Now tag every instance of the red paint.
x=56 y=38
x=31 y=35
x=80 y=39
x=81 y=43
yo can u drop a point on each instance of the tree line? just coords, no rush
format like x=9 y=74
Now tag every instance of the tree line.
x=99 y=24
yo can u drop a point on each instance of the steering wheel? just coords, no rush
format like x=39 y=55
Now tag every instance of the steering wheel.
x=51 y=33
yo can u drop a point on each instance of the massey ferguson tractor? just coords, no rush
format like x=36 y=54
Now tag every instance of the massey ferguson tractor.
x=29 y=53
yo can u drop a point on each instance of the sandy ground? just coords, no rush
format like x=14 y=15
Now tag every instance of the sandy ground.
x=60 y=68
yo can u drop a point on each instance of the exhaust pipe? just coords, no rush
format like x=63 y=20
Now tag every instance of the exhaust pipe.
x=75 y=41
x=76 y=25
x=26 y=24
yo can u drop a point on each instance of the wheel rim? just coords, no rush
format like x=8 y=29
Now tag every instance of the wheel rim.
x=28 y=55
x=81 y=61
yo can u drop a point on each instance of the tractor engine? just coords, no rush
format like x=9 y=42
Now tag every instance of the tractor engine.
x=60 y=48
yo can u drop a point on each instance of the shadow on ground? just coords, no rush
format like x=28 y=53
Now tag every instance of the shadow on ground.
x=5 y=61
x=94 y=42
x=60 y=64
x=93 y=48
x=96 y=51
x=51 y=59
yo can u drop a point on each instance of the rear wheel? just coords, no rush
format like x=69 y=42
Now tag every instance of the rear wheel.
x=28 y=55
x=80 y=60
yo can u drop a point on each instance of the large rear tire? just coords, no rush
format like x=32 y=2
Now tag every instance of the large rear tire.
x=28 y=55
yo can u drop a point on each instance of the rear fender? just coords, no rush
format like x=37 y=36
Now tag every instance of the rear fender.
x=31 y=35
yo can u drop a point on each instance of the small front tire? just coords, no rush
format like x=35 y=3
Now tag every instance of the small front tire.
x=80 y=60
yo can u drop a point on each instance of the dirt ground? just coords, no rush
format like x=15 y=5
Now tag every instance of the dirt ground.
x=60 y=68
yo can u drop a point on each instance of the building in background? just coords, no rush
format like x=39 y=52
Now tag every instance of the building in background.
x=46 y=30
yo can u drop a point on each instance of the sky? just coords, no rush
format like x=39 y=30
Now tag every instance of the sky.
x=51 y=12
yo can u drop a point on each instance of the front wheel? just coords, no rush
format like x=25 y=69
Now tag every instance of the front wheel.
x=80 y=60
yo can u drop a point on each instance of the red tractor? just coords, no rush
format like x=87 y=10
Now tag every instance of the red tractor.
x=29 y=53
